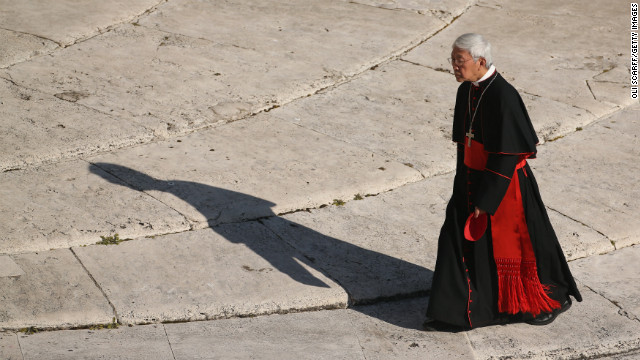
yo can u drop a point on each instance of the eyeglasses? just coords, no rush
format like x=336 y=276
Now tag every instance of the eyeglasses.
x=457 y=62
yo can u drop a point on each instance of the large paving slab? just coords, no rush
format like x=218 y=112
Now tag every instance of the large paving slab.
x=228 y=271
x=590 y=329
x=317 y=335
x=66 y=21
x=566 y=68
x=250 y=169
x=53 y=291
x=398 y=109
x=69 y=204
x=590 y=176
x=140 y=342
x=41 y=128
x=614 y=276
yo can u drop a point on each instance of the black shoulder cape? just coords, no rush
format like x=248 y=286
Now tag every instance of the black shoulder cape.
x=502 y=113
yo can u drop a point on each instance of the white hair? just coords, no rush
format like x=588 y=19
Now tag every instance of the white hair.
x=476 y=45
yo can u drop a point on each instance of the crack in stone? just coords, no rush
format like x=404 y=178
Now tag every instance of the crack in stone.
x=473 y=351
x=621 y=311
x=591 y=90
x=34 y=35
x=100 y=31
x=382 y=7
x=613 y=244
x=169 y=341
x=115 y=312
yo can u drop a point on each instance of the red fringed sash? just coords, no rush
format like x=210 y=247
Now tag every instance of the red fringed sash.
x=520 y=289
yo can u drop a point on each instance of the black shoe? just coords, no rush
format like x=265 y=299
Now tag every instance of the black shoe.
x=435 y=325
x=547 y=318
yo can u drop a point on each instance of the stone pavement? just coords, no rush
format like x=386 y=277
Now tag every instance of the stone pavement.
x=278 y=171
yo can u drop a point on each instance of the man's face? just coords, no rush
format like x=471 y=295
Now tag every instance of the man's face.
x=464 y=68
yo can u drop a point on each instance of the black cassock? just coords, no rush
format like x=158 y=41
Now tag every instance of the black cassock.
x=466 y=288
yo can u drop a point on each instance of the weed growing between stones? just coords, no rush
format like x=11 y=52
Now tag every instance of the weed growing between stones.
x=112 y=325
x=29 y=330
x=110 y=240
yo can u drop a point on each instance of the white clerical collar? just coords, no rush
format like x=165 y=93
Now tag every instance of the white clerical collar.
x=487 y=75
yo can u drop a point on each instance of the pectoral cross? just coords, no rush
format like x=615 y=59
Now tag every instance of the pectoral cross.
x=469 y=136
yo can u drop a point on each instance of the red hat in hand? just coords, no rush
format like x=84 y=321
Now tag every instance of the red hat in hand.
x=475 y=227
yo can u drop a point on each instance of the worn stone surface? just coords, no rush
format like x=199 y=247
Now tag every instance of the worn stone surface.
x=562 y=67
x=19 y=47
x=55 y=291
x=316 y=335
x=9 y=346
x=330 y=99
x=614 y=276
x=630 y=355
x=394 y=331
x=341 y=37
x=230 y=270
x=443 y=10
x=577 y=240
x=67 y=21
x=140 y=342
x=191 y=64
x=379 y=247
x=8 y=267
x=251 y=169
x=71 y=204
x=592 y=328
x=583 y=183
x=40 y=128
x=394 y=110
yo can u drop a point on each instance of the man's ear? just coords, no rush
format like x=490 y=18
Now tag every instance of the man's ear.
x=483 y=62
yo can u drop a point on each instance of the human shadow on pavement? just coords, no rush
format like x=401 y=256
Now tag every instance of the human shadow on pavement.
x=366 y=275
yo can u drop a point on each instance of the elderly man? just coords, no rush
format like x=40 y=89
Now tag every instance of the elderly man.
x=499 y=259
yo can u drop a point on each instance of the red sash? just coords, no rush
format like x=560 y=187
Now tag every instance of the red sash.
x=520 y=289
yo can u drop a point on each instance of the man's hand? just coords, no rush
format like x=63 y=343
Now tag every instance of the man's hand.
x=478 y=212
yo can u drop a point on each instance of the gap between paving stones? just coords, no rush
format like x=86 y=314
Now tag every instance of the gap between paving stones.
x=192 y=227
